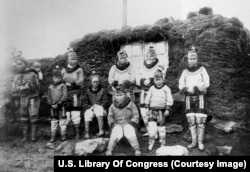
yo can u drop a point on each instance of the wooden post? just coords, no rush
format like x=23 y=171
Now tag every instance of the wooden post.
x=124 y=14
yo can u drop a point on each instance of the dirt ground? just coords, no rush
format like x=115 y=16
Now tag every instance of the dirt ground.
x=25 y=157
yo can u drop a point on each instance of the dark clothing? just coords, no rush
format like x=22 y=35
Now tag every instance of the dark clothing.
x=122 y=66
x=73 y=76
x=196 y=104
x=70 y=70
x=26 y=91
x=58 y=113
x=95 y=97
x=57 y=93
x=149 y=66
x=26 y=84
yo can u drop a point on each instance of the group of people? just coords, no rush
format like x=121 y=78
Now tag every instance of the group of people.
x=67 y=99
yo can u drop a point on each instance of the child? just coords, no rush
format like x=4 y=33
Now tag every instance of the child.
x=96 y=101
x=193 y=83
x=57 y=96
x=73 y=77
x=145 y=79
x=122 y=117
x=158 y=102
x=26 y=88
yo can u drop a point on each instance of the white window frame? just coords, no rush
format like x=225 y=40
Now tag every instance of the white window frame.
x=143 y=48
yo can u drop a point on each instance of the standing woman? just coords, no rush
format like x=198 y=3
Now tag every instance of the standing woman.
x=73 y=77
x=145 y=79
x=122 y=73
x=26 y=87
x=193 y=83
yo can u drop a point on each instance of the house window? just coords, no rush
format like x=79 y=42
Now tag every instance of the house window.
x=137 y=53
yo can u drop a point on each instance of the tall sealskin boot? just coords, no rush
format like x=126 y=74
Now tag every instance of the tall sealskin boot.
x=25 y=128
x=193 y=132
x=53 y=136
x=151 y=143
x=144 y=114
x=63 y=135
x=152 y=132
x=200 y=132
x=100 y=124
x=33 y=132
x=54 y=127
x=77 y=127
x=86 y=136
x=162 y=135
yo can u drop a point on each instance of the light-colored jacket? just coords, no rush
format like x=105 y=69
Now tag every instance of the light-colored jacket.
x=159 y=98
x=145 y=73
x=199 y=78
x=121 y=75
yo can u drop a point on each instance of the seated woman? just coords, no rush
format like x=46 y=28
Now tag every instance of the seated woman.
x=123 y=117
x=95 y=103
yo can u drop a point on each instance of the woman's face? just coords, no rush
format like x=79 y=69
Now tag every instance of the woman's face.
x=95 y=82
x=122 y=58
x=72 y=59
x=151 y=56
x=20 y=65
x=192 y=59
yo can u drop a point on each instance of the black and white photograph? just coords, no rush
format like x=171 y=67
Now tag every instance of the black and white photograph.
x=124 y=78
